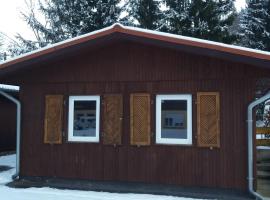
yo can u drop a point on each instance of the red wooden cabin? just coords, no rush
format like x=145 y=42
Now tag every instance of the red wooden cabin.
x=127 y=104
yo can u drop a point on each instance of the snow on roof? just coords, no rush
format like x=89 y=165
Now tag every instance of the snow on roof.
x=178 y=39
x=51 y=46
x=9 y=87
x=195 y=40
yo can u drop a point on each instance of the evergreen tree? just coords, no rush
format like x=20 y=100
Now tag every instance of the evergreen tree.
x=143 y=13
x=2 y=53
x=176 y=18
x=65 y=19
x=211 y=20
x=21 y=46
x=234 y=29
x=10 y=47
x=206 y=19
x=267 y=27
x=253 y=25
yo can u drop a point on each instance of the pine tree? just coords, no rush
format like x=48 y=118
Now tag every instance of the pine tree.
x=253 y=24
x=206 y=19
x=234 y=29
x=176 y=17
x=143 y=13
x=21 y=46
x=65 y=19
x=3 y=50
x=211 y=20
x=2 y=53
x=267 y=27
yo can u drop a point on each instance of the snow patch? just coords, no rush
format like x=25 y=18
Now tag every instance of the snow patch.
x=260 y=123
x=52 y=194
x=5 y=177
x=9 y=87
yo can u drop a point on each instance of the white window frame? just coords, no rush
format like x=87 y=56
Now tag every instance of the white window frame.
x=71 y=137
x=159 y=139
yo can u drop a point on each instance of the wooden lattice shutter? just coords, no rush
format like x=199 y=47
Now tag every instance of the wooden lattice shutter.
x=140 y=119
x=208 y=108
x=112 y=119
x=53 y=119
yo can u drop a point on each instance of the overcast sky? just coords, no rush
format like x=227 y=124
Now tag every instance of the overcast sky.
x=11 y=21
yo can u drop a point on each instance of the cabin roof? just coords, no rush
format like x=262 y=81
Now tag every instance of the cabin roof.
x=197 y=46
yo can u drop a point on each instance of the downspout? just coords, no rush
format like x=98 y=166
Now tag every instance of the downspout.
x=250 y=143
x=18 y=131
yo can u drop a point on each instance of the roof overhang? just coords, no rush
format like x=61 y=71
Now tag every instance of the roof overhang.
x=119 y=32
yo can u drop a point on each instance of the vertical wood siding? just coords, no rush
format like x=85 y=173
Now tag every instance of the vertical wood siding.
x=7 y=125
x=128 y=68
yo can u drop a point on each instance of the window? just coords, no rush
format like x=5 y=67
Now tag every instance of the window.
x=173 y=119
x=83 y=119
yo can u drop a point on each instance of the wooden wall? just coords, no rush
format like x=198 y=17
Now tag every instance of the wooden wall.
x=7 y=125
x=128 y=68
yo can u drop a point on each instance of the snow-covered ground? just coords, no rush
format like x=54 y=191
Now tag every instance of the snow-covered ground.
x=260 y=123
x=52 y=194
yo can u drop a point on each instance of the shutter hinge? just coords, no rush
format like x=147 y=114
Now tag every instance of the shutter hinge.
x=64 y=102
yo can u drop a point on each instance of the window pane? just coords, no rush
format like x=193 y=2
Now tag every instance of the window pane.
x=174 y=119
x=84 y=118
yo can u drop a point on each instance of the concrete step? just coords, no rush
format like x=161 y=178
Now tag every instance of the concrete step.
x=263 y=166
x=263 y=174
